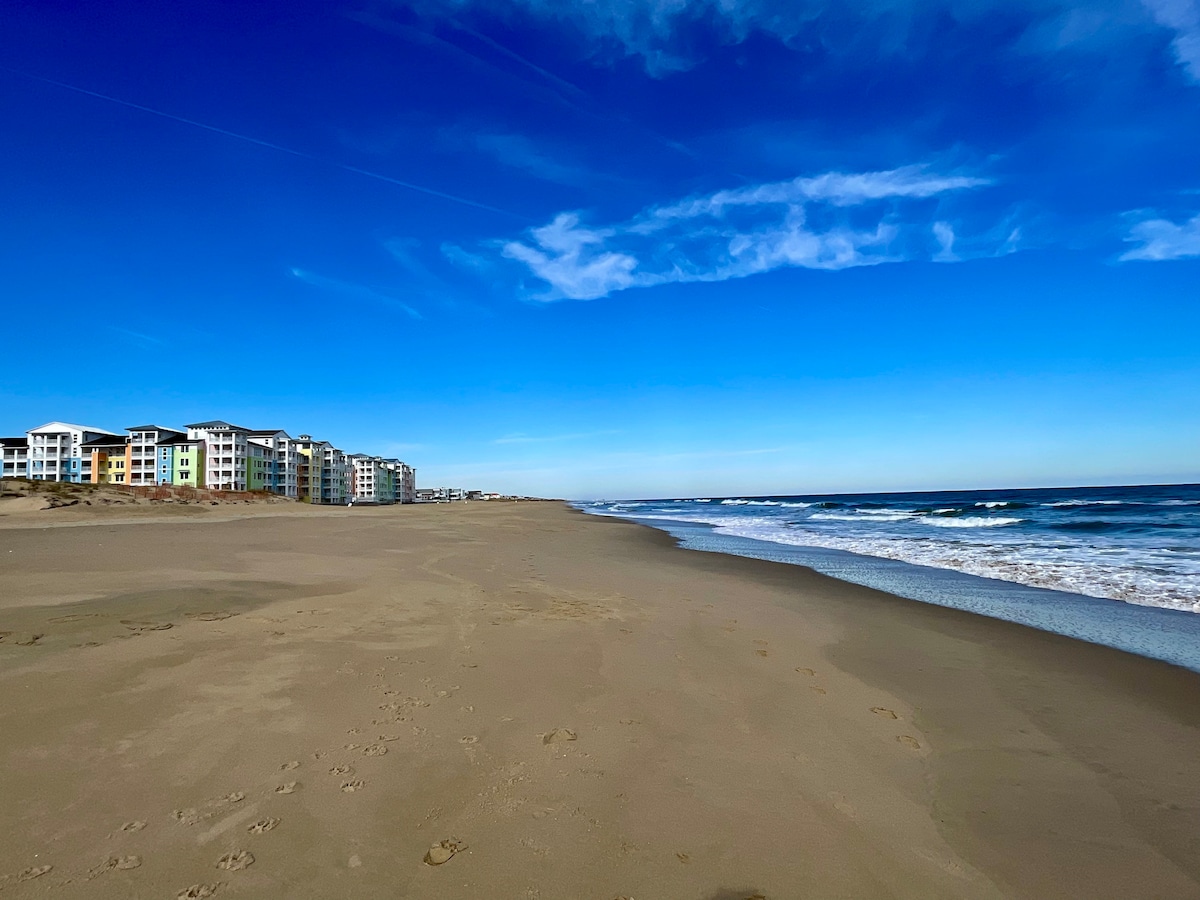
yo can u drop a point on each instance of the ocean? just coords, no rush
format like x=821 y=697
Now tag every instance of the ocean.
x=1114 y=565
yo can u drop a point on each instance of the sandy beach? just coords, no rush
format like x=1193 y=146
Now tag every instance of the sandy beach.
x=287 y=701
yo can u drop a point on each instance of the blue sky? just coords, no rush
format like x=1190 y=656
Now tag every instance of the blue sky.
x=617 y=248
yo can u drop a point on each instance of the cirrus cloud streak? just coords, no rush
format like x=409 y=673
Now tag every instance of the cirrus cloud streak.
x=832 y=221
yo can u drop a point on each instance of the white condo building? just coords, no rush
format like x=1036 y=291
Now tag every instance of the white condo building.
x=369 y=476
x=56 y=452
x=226 y=454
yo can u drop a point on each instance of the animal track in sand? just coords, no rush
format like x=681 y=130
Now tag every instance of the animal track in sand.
x=374 y=750
x=199 y=891
x=33 y=872
x=288 y=787
x=136 y=825
x=909 y=741
x=558 y=735
x=291 y=764
x=342 y=770
x=804 y=670
x=262 y=826
x=349 y=787
x=884 y=712
x=236 y=861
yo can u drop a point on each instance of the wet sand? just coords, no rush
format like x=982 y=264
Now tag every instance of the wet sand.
x=297 y=702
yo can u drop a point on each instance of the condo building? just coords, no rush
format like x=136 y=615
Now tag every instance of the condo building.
x=14 y=457
x=56 y=452
x=214 y=455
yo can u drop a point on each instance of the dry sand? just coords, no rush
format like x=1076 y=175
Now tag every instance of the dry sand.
x=323 y=703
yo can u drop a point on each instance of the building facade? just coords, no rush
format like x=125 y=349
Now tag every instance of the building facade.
x=56 y=452
x=14 y=457
x=214 y=455
x=226 y=454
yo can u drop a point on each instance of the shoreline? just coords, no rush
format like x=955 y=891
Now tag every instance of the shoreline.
x=1153 y=632
x=740 y=726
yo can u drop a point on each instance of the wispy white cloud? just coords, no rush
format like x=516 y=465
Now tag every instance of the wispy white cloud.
x=1182 y=17
x=531 y=439
x=659 y=32
x=833 y=221
x=351 y=289
x=519 y=152
x=1162 y=239
x=944 y=233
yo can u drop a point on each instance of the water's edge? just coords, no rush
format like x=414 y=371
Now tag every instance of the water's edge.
x=1170 y=635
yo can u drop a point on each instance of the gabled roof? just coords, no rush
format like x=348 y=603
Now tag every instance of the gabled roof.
x=217 y=425
x=271 y=432
x=52 y=427
x=14 y=441
x=179 y=439
x=153 y=428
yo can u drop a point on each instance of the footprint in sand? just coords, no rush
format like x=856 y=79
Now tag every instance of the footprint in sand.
x=558 y=735
x=884 y=712
x=262 y=826
x=199 y=891
x=215 y=616
x=443 y=851
x=374 y=750
x=139 y=627
x=803 y=670
x=21 y=640
x=817 y=690
x=288 y=787
x=469 y=739
x=113 y=863
x=133 y=826
x=33 y=872
x=288 y=766
x=74 y=617
x=236 y=861
x=351 y=747
x=342 y=770
x=909 y=741
x=762 y=651
x=762 y=643
x=683 y=857
x=349 y=787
